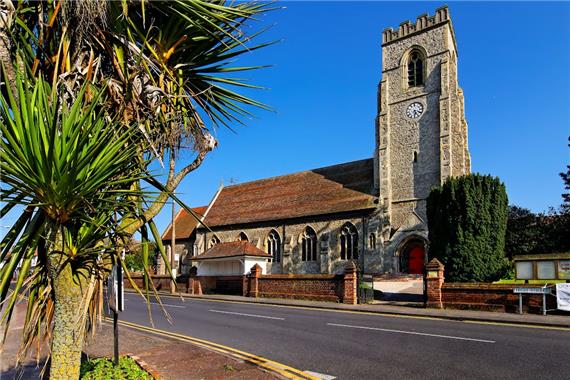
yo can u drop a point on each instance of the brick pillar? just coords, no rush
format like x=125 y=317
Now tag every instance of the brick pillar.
x=194 y=286
x=244 y=285
x=254 y=281
x=435 y=281
x=350 y=292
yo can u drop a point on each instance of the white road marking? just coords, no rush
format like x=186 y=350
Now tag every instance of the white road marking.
x=169 y=305
x=320 y=375
x=413 y=333
x=247 y=315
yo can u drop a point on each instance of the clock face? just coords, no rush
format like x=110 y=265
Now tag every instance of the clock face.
x=414 y=110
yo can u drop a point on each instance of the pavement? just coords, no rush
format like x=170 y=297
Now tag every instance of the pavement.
x=410 y=291
x=165 y=356
x=408 y=309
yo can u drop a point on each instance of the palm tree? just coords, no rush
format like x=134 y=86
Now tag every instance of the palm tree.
x=72 y=171
x=93 y=92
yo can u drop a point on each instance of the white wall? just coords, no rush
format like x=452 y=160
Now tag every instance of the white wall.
x=230 y=267
x=251 y=261
x=220 y=268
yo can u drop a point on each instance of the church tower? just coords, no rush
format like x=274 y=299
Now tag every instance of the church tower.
x=420 y=128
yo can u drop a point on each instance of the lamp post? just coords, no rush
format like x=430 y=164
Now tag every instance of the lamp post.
x=173 y=248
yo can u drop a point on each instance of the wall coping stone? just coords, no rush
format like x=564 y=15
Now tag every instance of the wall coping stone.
x=301 y=276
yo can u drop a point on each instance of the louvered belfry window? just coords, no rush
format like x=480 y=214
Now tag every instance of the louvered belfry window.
x=415 y=69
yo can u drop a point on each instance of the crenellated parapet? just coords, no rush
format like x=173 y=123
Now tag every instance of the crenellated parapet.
x=422 y=22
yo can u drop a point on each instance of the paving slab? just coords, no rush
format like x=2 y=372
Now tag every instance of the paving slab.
x=173 y=359
x=170 y=358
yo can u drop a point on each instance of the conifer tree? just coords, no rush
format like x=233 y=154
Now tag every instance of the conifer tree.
x=467 y=220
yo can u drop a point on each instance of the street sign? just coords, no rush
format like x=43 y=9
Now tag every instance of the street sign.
x=531 y=290
x=563 y=296
x=544 y=291
x=115 y=290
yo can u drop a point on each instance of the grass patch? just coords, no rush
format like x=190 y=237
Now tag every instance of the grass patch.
x=103 y=368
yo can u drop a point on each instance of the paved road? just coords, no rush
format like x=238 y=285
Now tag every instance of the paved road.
x=361 y=346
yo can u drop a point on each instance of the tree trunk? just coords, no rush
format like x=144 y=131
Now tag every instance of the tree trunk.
x=6 y=15
x=70 y=290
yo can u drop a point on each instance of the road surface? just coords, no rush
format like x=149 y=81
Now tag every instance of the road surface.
x=351 y=345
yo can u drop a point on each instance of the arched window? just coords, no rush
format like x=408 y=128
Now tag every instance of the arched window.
x=213 y=241
x=415 y=69
x=242 y=237
x=274 y=246
x=348 y=242
x=309 y=245
x=372 y=241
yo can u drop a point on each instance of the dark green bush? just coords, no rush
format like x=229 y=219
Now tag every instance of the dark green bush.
x=467 y=220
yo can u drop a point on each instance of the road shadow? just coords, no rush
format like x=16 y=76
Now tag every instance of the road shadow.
x=27 y=371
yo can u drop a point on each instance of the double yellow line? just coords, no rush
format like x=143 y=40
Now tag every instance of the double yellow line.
x=269 y=365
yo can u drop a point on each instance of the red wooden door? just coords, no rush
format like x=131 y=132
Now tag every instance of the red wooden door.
x=416 y=260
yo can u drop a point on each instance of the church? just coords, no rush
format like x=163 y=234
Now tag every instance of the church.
x=371 y=211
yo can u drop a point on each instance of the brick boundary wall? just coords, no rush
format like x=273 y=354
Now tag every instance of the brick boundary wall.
x=491 y=297
x=478 y=296
x=306 y=287
x=317 y=287
x=161 y=282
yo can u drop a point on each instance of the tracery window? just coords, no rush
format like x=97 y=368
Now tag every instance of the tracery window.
x=348 y=242
x=415 y=69
x=242 y=237
x=309 y=245
x=213 y=241
x=274 y=246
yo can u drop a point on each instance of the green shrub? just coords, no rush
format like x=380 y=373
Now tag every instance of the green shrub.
x=103 y=369
x=467 y=220
x=134 y=258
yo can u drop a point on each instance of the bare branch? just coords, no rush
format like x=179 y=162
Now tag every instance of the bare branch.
x=131 y=226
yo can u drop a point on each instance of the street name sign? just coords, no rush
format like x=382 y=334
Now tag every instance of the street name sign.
x=115 y=290
x=531 y=290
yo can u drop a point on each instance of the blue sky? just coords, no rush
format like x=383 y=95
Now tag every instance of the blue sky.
x=514 y=67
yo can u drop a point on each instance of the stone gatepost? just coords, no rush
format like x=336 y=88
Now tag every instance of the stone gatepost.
x=194 y=286
x=254 y=281
x=350 y=294
x=161 y=266
x=435 y=281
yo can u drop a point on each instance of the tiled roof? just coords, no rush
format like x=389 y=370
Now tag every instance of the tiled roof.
x=185 y=223
x=231 y=249
x=338 y=188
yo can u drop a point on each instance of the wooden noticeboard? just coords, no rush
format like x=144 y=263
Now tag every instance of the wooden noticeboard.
x=543 y=267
